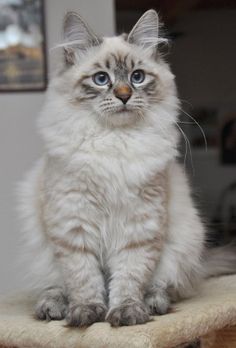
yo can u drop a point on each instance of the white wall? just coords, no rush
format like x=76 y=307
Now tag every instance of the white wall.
x=19 y=143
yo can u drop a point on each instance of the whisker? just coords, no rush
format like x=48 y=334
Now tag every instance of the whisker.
x=161 y=128
x=202 y=131
x=187 y=145
x=187 y=141
x=191 y=117
x=154 y=99
x=194 y=120
x=185 y=122
x=187 y=102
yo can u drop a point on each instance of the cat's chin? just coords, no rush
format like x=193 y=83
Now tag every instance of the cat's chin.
x=122 y=117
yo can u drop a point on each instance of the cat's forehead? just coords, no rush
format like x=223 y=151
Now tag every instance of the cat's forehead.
x=116 y=53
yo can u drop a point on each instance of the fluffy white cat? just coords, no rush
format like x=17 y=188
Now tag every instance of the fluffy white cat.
x=111 y=226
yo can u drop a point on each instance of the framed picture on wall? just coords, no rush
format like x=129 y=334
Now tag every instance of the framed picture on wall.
x=22 y=46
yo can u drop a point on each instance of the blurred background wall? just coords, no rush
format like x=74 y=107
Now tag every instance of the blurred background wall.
x=19 y=144
x=203 y=59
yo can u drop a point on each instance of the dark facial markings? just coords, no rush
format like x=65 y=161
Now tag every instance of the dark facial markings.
x=150 y=88
x=121 y=69
x=122 y=66
x=107 y=63
x=89 y=92
x=83 y=77
x=97 y=66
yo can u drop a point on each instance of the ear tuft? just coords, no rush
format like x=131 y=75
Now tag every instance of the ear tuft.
x=146 y=30
x=77 y=36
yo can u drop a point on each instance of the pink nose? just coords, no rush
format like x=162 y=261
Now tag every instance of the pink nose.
x=123 y=93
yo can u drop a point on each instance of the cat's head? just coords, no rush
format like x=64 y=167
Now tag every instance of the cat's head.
x=119 y=80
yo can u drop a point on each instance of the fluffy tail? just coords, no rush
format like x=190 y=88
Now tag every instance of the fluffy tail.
x=220 y=260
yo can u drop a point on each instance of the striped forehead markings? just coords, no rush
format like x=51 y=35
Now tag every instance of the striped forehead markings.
x=108 y=64
x=118 y=60
x=121 y=66
x=97 y=65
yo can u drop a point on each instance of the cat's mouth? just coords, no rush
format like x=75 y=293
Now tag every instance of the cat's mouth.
x=123 y=115
x=123 y=109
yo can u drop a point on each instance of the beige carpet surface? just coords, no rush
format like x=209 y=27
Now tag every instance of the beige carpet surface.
x=214 y=308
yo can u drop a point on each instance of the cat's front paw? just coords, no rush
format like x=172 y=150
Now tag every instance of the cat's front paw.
x=82 y=315
x=129 y=313
x=52 y=305
x=157 y=301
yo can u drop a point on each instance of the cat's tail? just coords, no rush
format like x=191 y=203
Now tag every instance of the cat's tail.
x=220 y=260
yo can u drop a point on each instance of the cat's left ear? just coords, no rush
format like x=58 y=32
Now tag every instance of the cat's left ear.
x=146 y=30
x=78 y=36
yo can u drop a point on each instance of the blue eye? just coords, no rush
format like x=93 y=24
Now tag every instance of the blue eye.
x=137 y=76
x=101 y=78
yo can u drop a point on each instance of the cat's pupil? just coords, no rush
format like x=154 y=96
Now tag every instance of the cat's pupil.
x=138 y=76
x=101 y=78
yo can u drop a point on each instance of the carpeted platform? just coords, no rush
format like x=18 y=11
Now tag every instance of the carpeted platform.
x=206 y=319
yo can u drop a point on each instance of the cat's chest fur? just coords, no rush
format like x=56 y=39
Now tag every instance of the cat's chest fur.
x=110 y=186
x=115 y=166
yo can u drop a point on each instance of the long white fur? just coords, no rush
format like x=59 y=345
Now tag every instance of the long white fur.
x=89 y=178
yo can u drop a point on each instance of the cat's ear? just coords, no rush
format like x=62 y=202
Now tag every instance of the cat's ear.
x=77 y=36
x=146 y=30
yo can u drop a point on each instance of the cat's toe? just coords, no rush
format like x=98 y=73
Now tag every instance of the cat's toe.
x=129 y=313
x=158 y=303
x=85 y=314
x=52 y=305
x=50 y=310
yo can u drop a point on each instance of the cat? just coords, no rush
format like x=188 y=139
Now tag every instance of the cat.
x=109 y=218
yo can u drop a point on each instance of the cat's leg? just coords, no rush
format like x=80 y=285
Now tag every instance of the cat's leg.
x=84 y=284
x=133 y=262
x=52 y=304
x=82 y=300
x=63 y=227
x=71 y=219
x=131 y=270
